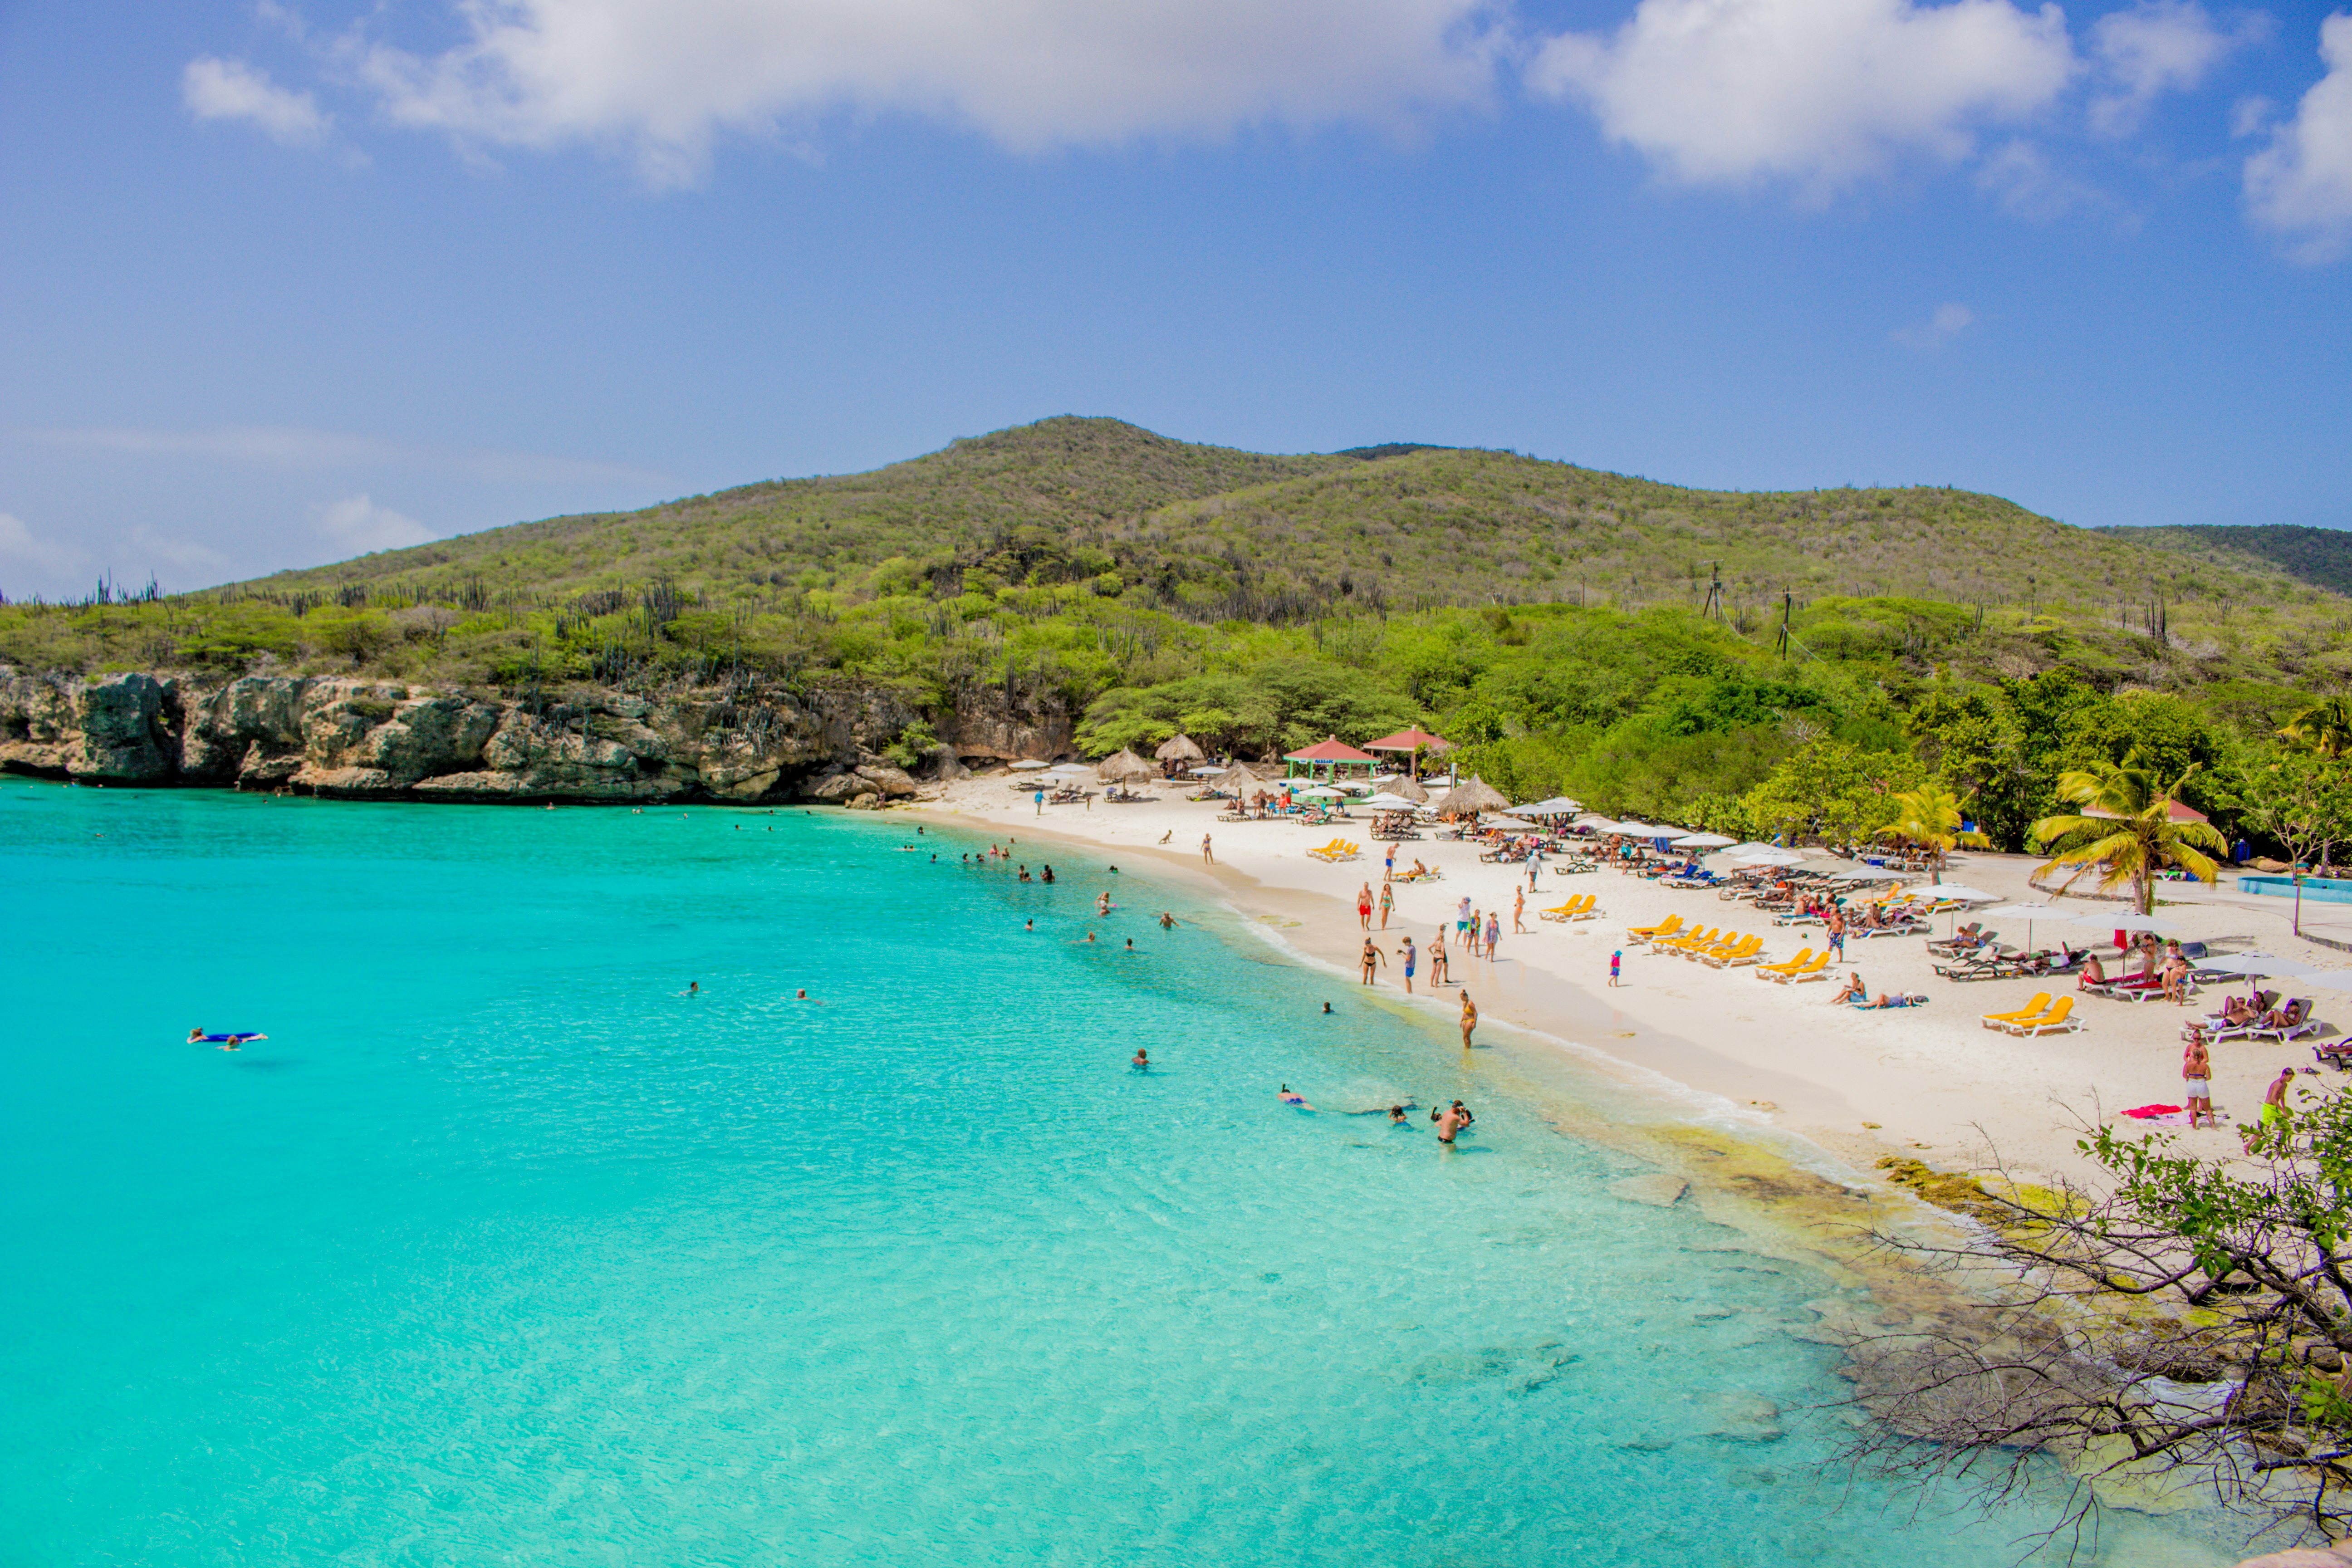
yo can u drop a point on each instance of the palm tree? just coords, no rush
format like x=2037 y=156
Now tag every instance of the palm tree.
x=2323 y=727
x=2127 y=824
x=1930 y=818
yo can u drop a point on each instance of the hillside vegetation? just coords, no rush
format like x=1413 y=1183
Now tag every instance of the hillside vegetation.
x=1620 y=638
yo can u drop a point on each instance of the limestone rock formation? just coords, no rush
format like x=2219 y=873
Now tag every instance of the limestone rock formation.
x=379 y=740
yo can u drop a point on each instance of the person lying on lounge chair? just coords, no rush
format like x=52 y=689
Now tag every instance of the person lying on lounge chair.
x=2237 y=1011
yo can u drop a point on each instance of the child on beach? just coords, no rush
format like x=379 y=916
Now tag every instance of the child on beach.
x=1616 y=961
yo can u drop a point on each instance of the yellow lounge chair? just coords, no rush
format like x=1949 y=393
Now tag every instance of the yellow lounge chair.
x=1589 y=909
x=1772 y=971
x=1817 y=968
x=1724 y=940
x=1323 y=851
x=2040 y=1004
x=1744 y=950
x=1700 y=937
x=2053 y=1022
x=1671 y=925
x=1577 y=908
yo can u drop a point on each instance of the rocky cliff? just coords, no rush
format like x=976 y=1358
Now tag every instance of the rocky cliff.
x=376 y=741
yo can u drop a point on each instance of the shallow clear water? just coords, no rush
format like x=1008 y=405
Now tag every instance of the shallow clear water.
x=498 y=1250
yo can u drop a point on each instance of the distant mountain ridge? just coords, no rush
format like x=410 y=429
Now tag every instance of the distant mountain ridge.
x=2320 y=556
x=1213 y=533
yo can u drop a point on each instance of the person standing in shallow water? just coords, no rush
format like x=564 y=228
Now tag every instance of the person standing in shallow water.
x=1469 y=1020
x=1407 y=954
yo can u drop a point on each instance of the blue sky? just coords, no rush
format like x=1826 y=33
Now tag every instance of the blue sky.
x=282 y=283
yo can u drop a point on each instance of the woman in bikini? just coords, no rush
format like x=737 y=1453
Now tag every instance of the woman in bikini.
x=1437 y=959
x=1373 y=959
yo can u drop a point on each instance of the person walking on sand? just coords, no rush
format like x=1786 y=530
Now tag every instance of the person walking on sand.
x=1373 y=958
x=1388 y=867
x=2196 y=1080
x=1462 y=917
x=1477 y=930
x=1364 y=906
x=1407 y=954
x=1519 y=913
x=1616 y=964
x=1437 y=959
x=1469 y=1020
x=1837 y=932
x=1388 y=904
x=1207 y=859
x=2273 y=1104
x=1040 y=798
x=1493 y=935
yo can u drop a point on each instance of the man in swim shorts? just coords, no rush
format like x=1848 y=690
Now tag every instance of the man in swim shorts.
x=1448 y=1123
x=2196 y=1080
x=1410 y=957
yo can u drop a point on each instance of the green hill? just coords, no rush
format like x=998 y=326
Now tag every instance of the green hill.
x=2321 y=556
x=1664 y=651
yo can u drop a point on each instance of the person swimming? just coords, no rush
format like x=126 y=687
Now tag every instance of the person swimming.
x=1290 y=1097
x=1142 y=1062
x=227 y=1042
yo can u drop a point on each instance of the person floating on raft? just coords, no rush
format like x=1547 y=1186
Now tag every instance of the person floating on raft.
x=226 y=1042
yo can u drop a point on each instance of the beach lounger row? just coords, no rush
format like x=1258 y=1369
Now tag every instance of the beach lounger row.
x=1580 y=908
x=2291 y=1022
x=1337 y=850
x=1807 y=965
x=2040 y=1016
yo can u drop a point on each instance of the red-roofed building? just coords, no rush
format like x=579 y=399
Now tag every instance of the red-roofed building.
x=1327 y=757
x=1412 y=741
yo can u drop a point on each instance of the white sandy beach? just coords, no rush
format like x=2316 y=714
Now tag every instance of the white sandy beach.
x=1930 y=1082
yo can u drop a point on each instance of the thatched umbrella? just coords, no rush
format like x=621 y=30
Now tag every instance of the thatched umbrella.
x=1182 y=749
x=1409 y=789
x=1123 y=764
x=1470 y=798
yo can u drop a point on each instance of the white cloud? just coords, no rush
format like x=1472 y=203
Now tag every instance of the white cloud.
x=357 y=524
x=296 y=449
x=2019 y=175
x=663 y=77
x=216 y=88
x=186 y=554
x=2301 y=184
x=2155 y=47
x=1948 y=322
x=21 y=550
x=1822 y=92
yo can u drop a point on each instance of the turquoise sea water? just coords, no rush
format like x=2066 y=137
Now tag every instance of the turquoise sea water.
x=500 y=1251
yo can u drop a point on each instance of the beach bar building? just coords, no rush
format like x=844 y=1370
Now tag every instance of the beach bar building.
x=1411 y=742
x=1331 y=759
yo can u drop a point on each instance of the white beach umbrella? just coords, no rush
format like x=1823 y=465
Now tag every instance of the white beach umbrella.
x=1204 y=772
x=1026 y=763
x=1954 y=890
x=2256 y=965
x=2126 y=922
x=1320 y=792
x=1870 y=874
x=1511 y=824
x=1558 y=806
x=1387 y=801
x=2028 y=913
x=1702 y=841
x=1594 y=823
x=1638 y=830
